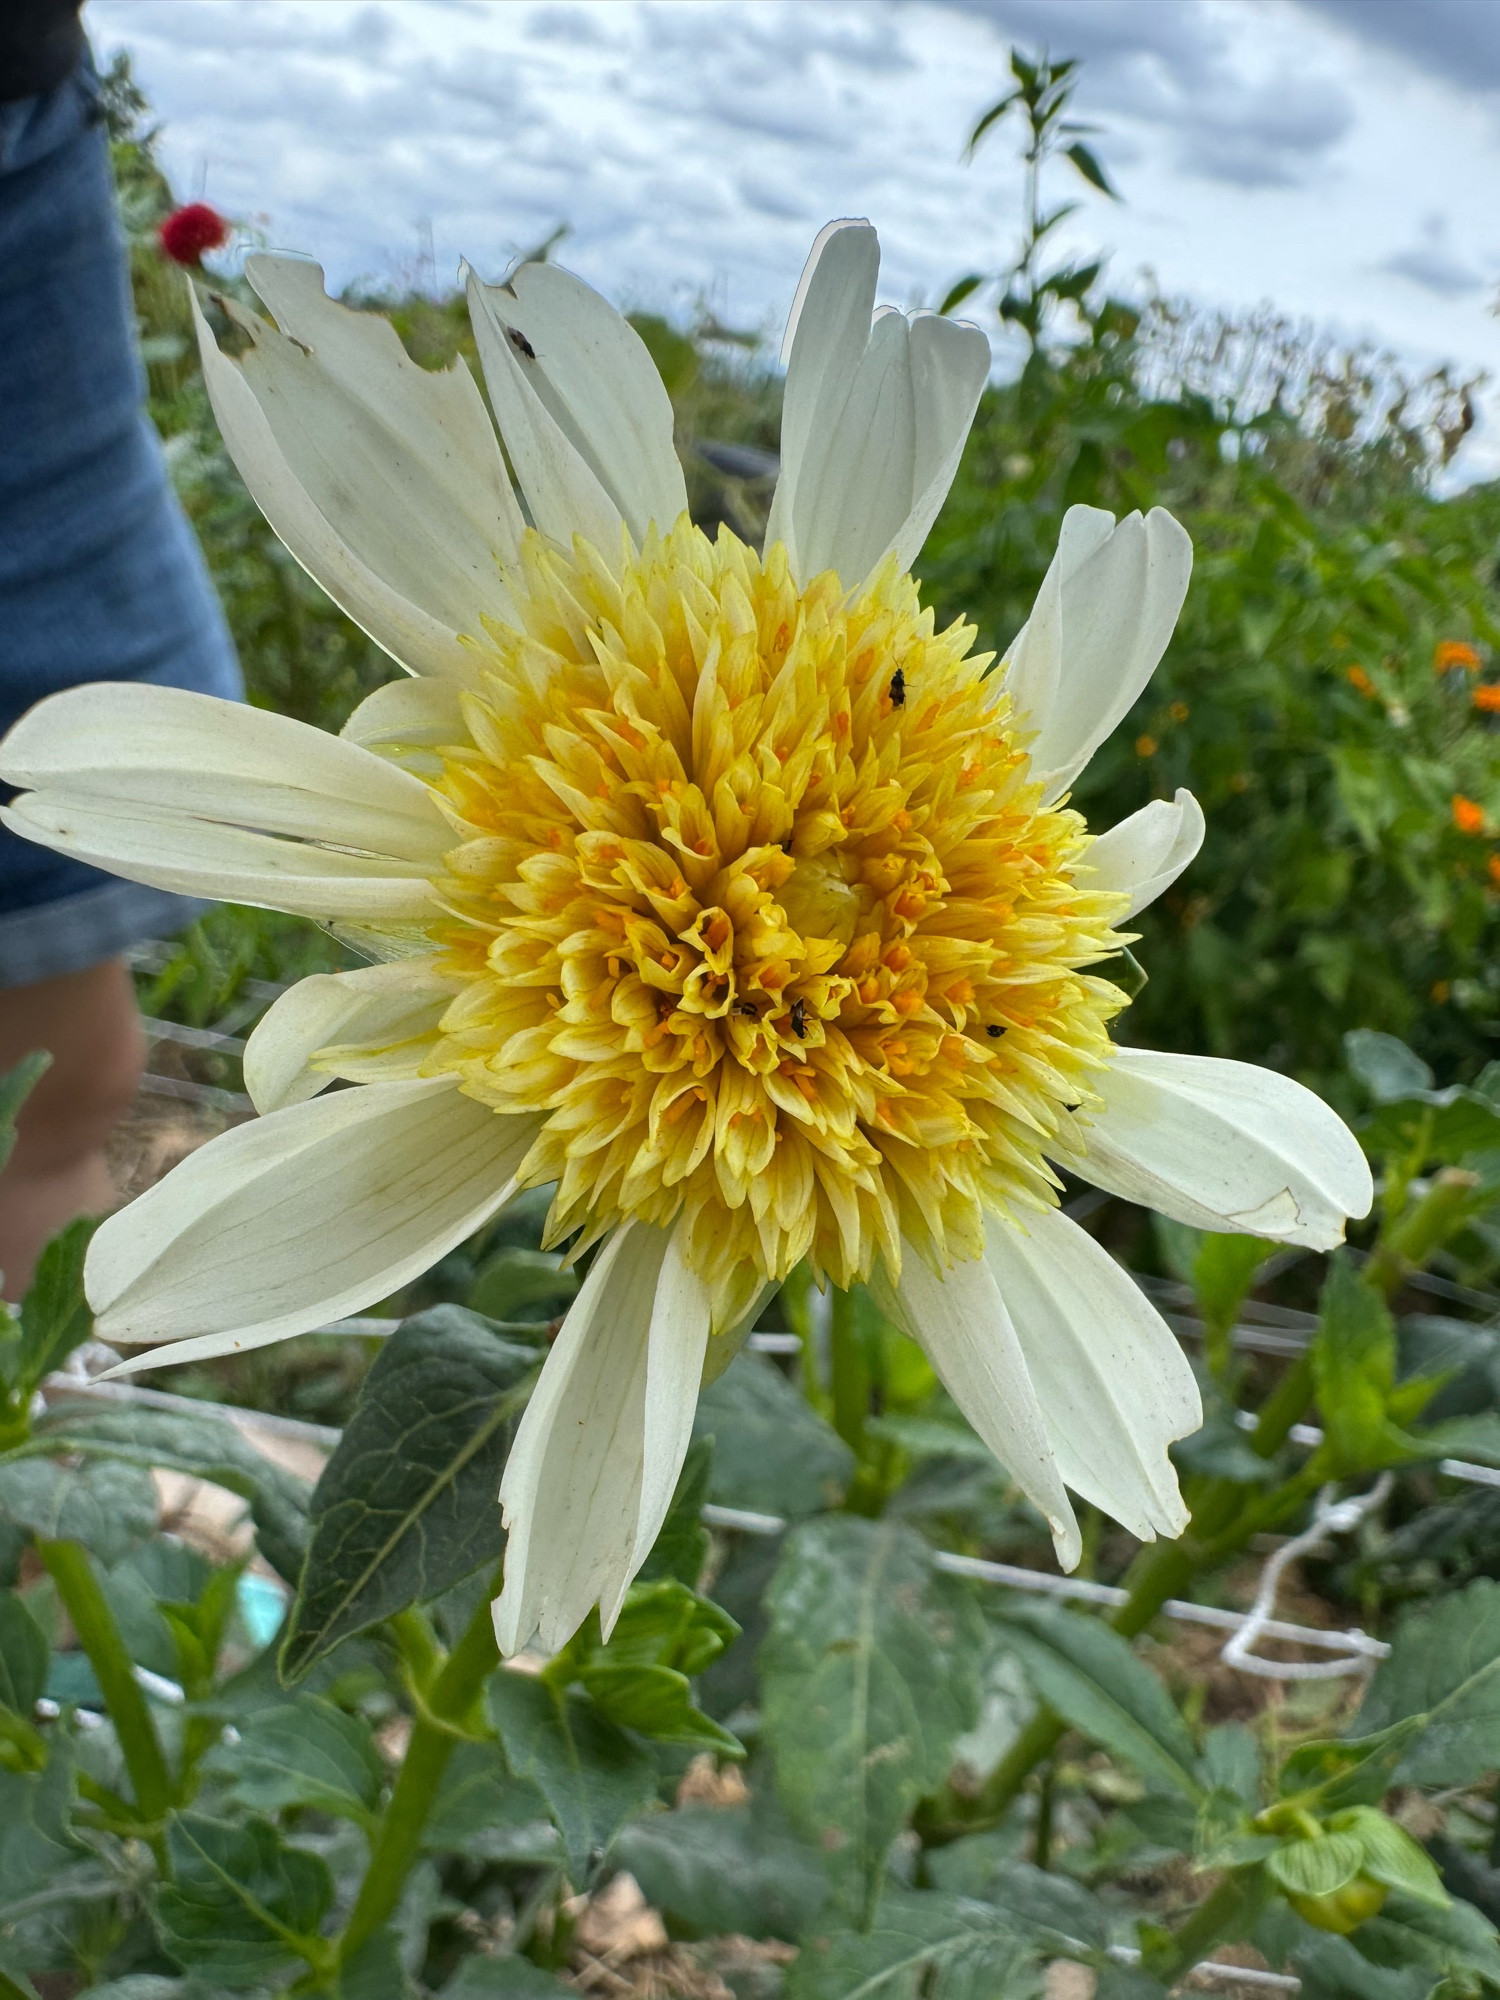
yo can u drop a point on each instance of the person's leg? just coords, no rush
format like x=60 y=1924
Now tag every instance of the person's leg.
x=88 y=1023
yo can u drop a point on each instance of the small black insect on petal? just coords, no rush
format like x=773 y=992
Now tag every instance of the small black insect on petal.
x=994 y=1031
x=519 y=341
x=898 y=688
x=746 y=1010
x=799 y=1019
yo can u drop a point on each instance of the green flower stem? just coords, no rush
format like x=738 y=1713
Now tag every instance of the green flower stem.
x=1223 y=1525
x=9 y=1989
x=449 y=1699
x=70 y=1569
x=1426 y=1225
x=1219 y=1917
x=849 y=1376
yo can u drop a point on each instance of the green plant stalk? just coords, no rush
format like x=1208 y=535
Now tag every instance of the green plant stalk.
x=849 y=1377
x=1422 y=1229
x=68 y=1565
x=398 y=1839
x=1163 y=1571
x=1218 y=1917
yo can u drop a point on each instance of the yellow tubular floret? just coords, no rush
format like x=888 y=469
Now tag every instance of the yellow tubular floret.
x=755 y=898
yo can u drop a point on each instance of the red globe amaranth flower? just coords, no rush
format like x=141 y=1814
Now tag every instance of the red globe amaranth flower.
x=188 y=232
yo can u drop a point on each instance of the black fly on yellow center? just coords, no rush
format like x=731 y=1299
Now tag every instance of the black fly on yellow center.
x=898 y=688
x=799 y=1019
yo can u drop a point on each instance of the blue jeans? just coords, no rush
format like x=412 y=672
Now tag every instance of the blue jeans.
x=101 y=578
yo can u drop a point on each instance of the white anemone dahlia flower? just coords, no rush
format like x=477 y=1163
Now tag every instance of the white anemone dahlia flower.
x=717 y=888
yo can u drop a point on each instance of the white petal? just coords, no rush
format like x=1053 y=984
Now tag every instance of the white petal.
x=1114 y=1385
x=291 y=1221
x=874 y=417
x=408 y=722
x=827 y=332
x=593 y=372
x=1146 y=853
x=384 y=479
x=561 y=489
x=391 y=1011
x=205 y=758
x=1224 y=1146
x=194 y=857
x=962 y=1322
x=950 y=364
x=186 y=792
x=1103 y=617
x=596 y=1458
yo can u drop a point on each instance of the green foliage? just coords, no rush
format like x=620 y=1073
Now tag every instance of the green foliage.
x=640 y=1678
x=306 y=1753
x=406 y=1508
x=773 y=1454
x=592 y=1776
x=1443 y=1677
x=241 y=1905
x=1093 y=1679
x=869 y=1674
x=716 y=1869
x=814 y=1735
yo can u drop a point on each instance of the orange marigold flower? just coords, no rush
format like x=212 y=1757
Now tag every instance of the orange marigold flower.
x=1179 y=711
x=1487 y=697
x=1145 y=746
x=1450 y=653
x=1468 y=817
x=1493 y=865
x=1358 y=678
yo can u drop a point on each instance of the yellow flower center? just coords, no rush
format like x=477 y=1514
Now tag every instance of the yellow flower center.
x=757 y=900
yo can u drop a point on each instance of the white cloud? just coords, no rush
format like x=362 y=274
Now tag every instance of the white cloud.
x=1291 y=150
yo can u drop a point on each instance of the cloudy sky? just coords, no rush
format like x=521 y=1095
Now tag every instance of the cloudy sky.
x=1336 y=157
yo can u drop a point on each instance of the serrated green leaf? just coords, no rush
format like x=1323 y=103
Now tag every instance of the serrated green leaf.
x=514 y=1282
x=1455 y=1939
x=1049 y=1909
x=591 y=1775
x=869 y=1674
x=1354 y=1365
x=773 y=1453
x=206 y=1447
x=943 y=1947
x=239 y=1899
x=16 y=1085
x=485 y=1812
x=1089 y=1674
x=719 y=1869
x=1230 y=1761
x=407 y=1505
x=304 y=1753
x=36 y=1846
x=55 y=1316
x=656 y=1702
x=1443 y=1679
x=24 y=1653
x=1317 y=1867
x=1386 y=1067
x=106 y=1505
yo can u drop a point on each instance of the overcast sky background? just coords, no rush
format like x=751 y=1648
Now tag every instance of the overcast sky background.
x=1339 y=158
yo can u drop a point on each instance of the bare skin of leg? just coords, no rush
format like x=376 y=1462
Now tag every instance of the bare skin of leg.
x=89 y=1023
